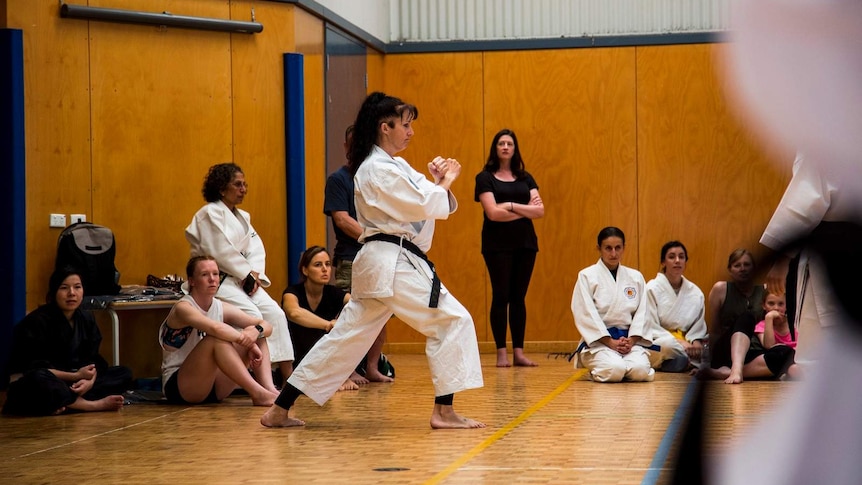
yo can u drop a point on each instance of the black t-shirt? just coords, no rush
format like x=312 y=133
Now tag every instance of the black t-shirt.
x=507 y=236
x=330 y=306
x=338 y=196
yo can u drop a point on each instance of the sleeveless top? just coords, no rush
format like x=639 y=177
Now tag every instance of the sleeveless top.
x=329 y=307
x=177 y=343
x=736 y=303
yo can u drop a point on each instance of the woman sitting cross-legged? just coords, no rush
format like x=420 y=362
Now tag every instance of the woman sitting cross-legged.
x=55 y=364
x=208 y=346
x=312 y=306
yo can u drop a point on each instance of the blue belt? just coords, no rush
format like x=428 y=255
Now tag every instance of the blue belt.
x=616 y=333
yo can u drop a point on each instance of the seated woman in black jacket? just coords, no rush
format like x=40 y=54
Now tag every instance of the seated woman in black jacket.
x=55 y=363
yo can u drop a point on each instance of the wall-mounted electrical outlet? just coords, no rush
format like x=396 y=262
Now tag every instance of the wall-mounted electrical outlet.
x=79 y=218
x=57 y=220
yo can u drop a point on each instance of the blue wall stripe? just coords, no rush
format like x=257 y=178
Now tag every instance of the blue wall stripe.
x=13 y=297
x=294 y=137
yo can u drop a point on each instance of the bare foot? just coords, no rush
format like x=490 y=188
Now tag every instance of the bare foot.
x=110 y=403
x=502 y=358
x=376 y=376
x=264 y=398
x=735 y=377
x=521 y=360
x=445 y=417
x=349 y=385
x=794 y=373
x=720 y=373
x=276 y=417
x=60 y=411
x=358 y=379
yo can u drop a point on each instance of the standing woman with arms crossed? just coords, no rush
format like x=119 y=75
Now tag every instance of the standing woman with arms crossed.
x=510 y=200
x=397 y=207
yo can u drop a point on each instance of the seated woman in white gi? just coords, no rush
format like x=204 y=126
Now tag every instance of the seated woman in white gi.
x=222 y=230
x=675 y=313
x=609 y=306
x=209 y=346
x=397 y=207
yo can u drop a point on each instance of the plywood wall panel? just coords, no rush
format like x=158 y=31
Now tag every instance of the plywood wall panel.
x=257 y=79
x=161 y=115
x=703 y=179
x=447 y=90
x=310 y=43
x=57 y=130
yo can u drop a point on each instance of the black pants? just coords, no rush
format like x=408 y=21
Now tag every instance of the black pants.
x=510 y=273
x=40 y=393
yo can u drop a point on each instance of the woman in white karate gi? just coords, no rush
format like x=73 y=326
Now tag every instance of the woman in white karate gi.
x=222 y=230
x=609 y=306
x=675 y=312
x=396 y=208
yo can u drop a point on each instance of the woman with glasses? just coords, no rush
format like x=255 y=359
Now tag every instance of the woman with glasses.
x=224 y=231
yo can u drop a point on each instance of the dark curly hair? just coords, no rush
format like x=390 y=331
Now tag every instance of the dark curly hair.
x=517 y=163
x=376 y=109
x=217 y=179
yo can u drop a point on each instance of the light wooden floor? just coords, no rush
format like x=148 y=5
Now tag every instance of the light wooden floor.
x=545 y=425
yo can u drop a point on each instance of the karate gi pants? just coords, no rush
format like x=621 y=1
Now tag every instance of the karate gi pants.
x=261 y=305
x=607 y=365
x=451 y=346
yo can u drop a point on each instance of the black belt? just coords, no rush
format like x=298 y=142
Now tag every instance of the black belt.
x=435 y=281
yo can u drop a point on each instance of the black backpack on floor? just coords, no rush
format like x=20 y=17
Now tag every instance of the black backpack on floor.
x=90 y=249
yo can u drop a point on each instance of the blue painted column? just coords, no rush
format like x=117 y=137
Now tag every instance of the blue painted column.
x=13 y=279
x=294 y=137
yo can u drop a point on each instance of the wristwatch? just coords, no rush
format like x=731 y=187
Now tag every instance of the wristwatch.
x=259 y=331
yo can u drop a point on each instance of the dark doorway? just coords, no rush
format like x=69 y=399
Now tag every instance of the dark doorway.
x=346 y=86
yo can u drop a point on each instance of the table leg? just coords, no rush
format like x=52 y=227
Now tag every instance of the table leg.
x=115 y=334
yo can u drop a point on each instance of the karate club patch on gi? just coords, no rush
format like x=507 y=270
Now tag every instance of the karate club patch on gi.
x=631 y=292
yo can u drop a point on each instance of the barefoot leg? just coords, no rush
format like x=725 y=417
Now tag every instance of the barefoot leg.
x=110 y=403
x=355 y=377
x=502 y=358
x=277 y=417
x=445 y=417
x=521 y=360
x=349 y=385
x=374 y=375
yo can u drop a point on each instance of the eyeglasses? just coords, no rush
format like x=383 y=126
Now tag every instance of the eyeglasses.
x=240 y=185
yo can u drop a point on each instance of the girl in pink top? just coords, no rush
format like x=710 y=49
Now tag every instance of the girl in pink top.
x=775 y=330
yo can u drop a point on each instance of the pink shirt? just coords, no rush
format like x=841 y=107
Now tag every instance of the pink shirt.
x=780 y=338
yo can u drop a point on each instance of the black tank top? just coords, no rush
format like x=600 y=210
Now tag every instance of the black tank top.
x=736 y=303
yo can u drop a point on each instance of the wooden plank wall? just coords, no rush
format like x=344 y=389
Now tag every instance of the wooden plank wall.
x=636 y=137
x=123 y=121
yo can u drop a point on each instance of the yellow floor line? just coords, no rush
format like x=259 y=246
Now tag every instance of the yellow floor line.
x=504 y=430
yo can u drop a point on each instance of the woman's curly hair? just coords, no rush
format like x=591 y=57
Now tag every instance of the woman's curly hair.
x=217 y=179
